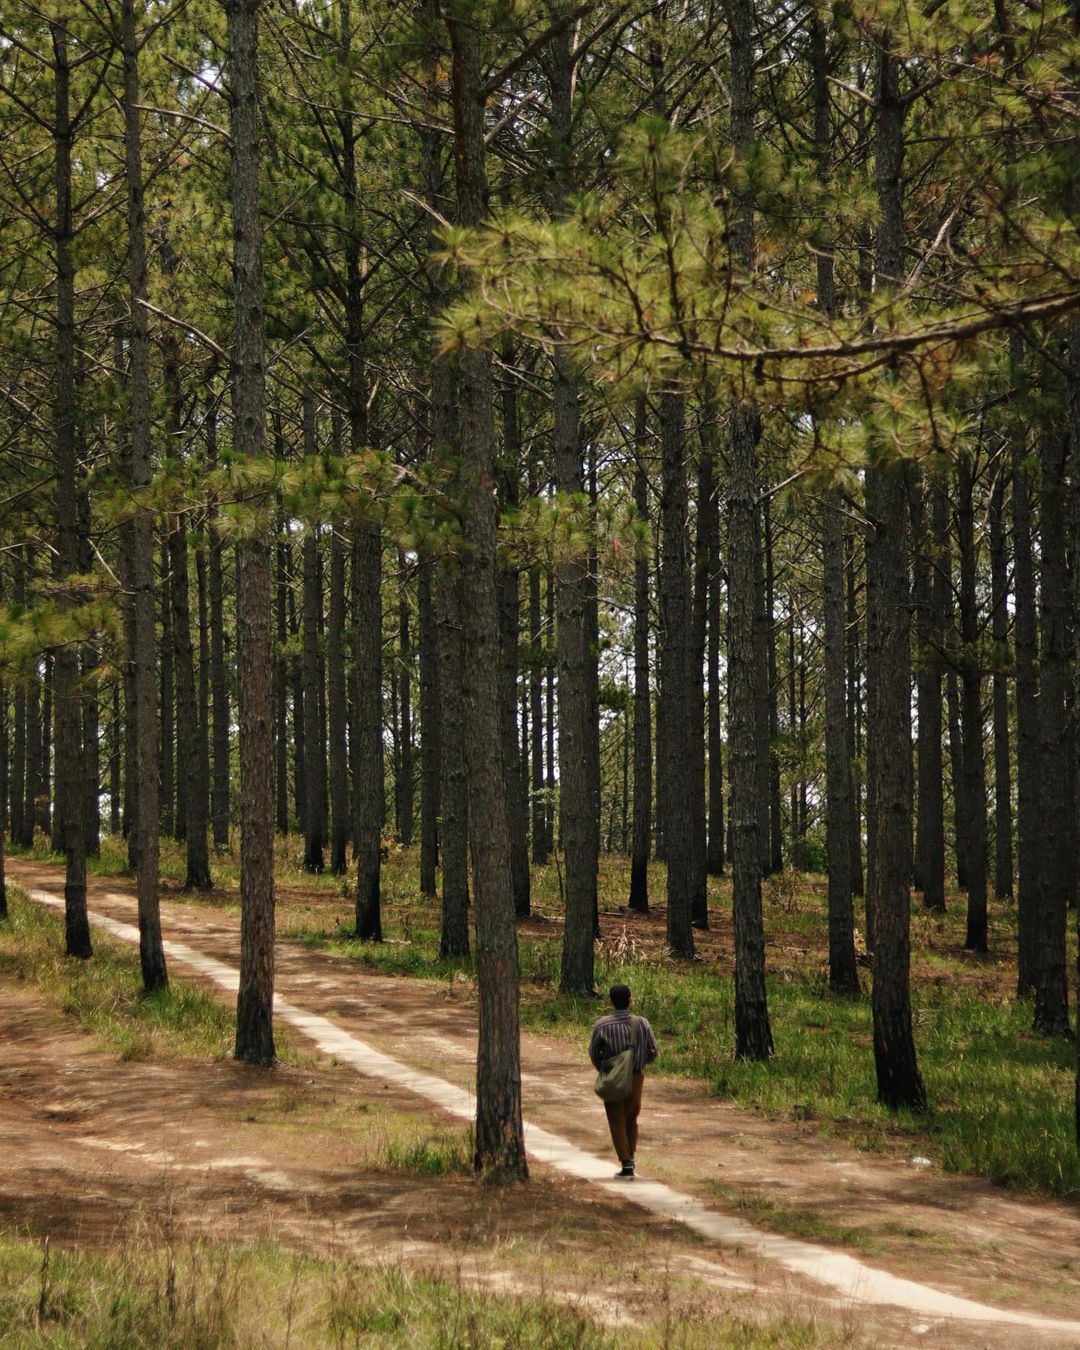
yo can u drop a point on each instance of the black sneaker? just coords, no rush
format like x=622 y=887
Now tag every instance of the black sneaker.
x=625 y=1172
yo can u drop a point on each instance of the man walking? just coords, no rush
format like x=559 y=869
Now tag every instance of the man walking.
x=623 y=1030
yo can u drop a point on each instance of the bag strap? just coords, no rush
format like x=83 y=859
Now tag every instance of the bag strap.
x=637 y=1036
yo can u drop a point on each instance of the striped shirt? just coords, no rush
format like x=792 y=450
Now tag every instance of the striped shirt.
x=615 y=1033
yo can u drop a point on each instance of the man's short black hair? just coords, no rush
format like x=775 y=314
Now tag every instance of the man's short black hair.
x=620 y=996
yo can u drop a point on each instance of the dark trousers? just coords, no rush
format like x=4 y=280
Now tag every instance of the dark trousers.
x=622 y=1120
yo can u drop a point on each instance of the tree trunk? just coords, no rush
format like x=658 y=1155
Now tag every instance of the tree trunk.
x=509 y=623
x=335 y=666
x=142 y=725
x=440 y=425
x=639 y=861
x=716 y=846
x=16 y=790
x=202 y=808
x=116 y=750
x=899 y=1081
x=578 y=824
x=69 y=748
x=746 y=671
x=167 y=705
x=676 y=683
x=704 y=551
x=403 y=786
x=541 y=842
x=429 y=731
x=254 y=1011
x=219 y=688
x=776 y=822
x=367 y=588
x=32 y=780
x=999 y=587
x=454 y=822
x=500 y=1143
x=855 y=738
x=1049 y=966
x=195 y=805
x=971 y=711
x=929 y=597
x=314 y=770
x=280 y=692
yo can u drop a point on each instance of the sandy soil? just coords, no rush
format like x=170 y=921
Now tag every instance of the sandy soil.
x=93 y=1149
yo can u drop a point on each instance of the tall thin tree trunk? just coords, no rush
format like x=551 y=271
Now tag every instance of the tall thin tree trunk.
x=541 y=843
x=930 y=595
x=370 y=804
x=69 y=748
x=404 y=784
x=338 y=711
x=314 y=773
x=746 y=672
x=971 y=710
x=500 y=1142
x=1049 y=964
x=676 y=684
x=280 y=691
x=899 y=1081
x=999 y=628
x=639 y=862
x=578 y=824
x=254 y=1012
x=219 y=687
x=429 y=730
x=704 y=549
x=32 y=780
x=142 y=728
x=195 y=805
x=509 y=623
x=776 y=823
x=855 y=738
x=167 y=704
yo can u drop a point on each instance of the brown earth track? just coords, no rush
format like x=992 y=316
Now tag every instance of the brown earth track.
x=94 y=1149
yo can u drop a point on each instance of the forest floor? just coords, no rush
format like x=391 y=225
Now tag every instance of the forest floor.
x=97 y=1150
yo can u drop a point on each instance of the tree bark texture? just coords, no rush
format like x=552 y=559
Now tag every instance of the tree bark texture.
x=746 y=668
x=899 y=1081
x=1049 y=967
x=578 y=822
x=367 y=583
x=676 y=682
x=999 y=628
x=500 y=1143
x=642 y=814
x=338 y=710
x=254 y=1011
x=974 y=763
x=1025 y=629
x=69 y=748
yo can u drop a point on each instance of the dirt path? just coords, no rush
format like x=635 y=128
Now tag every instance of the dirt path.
x=973 y=1242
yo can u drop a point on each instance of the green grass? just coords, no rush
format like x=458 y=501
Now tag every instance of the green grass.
x=768 y=1212
x=1001 y=1099
x=105 y=996
x=200 y=1296
x=431 y=1155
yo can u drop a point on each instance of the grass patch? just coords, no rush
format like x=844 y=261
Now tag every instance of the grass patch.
x=435 y=1154
x=1001 y=1099
x=105 y=995
x=792 y=1221
x=208 y=1295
